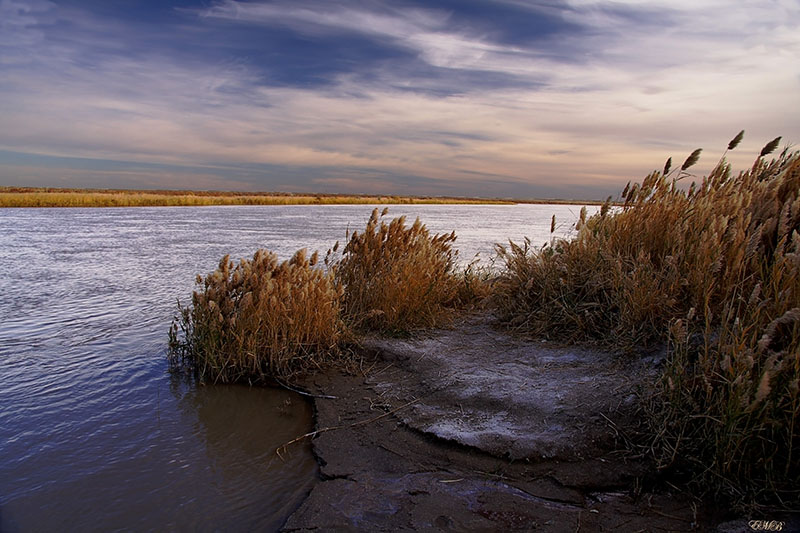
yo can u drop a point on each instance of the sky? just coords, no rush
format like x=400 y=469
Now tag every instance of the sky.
x=493 y=98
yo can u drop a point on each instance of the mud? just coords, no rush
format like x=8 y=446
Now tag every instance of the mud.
x=507 y=395
x=472 y=428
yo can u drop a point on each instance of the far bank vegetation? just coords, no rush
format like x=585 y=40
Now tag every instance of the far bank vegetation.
x=50 y=197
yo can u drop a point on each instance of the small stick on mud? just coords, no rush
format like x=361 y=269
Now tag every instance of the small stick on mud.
x=382 y=370
x=670 y=516
x=287 y=387
x=331 y=428
x=618 y=432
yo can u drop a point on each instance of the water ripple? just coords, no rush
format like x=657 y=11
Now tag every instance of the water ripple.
x=94 y=432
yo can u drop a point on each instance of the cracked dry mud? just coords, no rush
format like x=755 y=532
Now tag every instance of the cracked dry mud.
x=471 y=428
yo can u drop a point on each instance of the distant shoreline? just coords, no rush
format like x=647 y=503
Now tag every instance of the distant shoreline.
x=70 y=197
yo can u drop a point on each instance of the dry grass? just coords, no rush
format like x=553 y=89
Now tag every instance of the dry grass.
x=262 y=320
x=713 y=270
x=32 y=197
x=259 y=320
x=396 y=277
x=474 y=285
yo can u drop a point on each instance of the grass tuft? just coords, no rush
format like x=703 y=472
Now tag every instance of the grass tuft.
x=397 y=278
x=714 y=272
x=259 y=320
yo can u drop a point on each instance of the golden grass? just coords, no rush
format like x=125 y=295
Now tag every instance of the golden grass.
x=259 y=320
x=396 y=277
x=262 y=320
x=474 y=285
x=714 y=271
x=32 y=197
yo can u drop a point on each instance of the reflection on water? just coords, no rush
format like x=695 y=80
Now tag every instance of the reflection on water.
x=94 y=432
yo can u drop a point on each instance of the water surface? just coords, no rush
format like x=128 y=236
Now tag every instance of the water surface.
x=94 y=431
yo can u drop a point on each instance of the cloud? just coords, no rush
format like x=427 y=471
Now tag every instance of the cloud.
x=446 y=102
x=426 y=32
x=315 y=18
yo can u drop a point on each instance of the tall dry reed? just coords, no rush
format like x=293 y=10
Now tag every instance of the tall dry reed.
x=259 y=319
x=396 y=277
x=714 y=270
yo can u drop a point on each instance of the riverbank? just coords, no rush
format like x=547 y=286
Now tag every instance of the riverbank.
x=71 y=197
x=55 y=197
x=473 y=428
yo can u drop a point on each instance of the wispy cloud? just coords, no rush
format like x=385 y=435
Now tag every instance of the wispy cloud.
x=429 y=33
x=376 y=98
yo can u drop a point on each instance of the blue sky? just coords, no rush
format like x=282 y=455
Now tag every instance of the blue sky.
x=502 y=98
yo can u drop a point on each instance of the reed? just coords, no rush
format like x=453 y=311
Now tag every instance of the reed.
x=259 y=320
x=396 y=277
x=714 y=272
x=474 y=285
x=40 y=197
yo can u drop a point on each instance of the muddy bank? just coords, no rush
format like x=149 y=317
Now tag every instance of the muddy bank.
x=471 y=428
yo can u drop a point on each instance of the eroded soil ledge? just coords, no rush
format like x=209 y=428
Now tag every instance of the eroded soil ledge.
x=472 y=428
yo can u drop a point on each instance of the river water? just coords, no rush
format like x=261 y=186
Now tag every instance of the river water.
x=95 y=433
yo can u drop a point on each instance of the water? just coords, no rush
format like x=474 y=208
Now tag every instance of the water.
x=94 y=431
